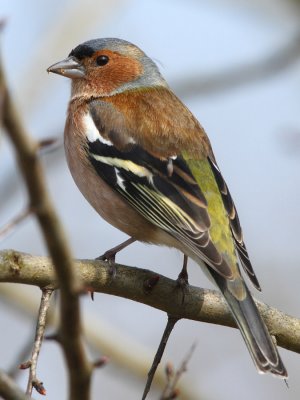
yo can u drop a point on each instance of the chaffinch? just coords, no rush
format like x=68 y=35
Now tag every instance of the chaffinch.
x=146 y=165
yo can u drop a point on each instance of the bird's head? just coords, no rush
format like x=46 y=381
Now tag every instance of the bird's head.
x=104 y=67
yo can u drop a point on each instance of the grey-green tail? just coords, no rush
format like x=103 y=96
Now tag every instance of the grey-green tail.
x=261 y=347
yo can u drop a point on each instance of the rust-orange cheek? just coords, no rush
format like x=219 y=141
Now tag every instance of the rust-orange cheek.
x=119 y=71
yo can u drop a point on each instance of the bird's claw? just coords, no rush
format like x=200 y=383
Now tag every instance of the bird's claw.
x=110 y=257
x=183 y=285
x=183 y=279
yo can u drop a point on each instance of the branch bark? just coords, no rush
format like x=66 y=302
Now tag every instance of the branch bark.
x=33 y=381
x=131 y=283
x=39 y=202
x=105 y=338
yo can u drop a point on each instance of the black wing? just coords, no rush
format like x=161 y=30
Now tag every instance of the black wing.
x=163 y=191
x=235 y=225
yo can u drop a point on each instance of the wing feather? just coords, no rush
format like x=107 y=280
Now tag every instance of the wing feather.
x=164 y=191
x=235 y=225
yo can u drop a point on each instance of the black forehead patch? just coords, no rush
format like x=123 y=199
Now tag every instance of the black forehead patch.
x=88 y=48
x=82 y=51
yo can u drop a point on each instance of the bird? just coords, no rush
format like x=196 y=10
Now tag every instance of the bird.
x=146 y=165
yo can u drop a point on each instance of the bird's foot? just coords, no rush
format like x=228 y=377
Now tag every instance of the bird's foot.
x=182 y=280
x=110 y=256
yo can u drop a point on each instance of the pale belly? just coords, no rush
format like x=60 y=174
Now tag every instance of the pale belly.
x=108 y=203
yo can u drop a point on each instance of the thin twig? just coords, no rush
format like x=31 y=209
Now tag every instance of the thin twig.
x=9 y=390
x=14 y=223
x=48 y=145
x=31 y=168
x=170 y=391
x=102 y=336
x=33 y=381
x=159 y=353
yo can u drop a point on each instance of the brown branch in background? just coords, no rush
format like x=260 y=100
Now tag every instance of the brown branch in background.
x=9 y=390
x=33 y=381
x=101 y=362
x=48 y=145
x=234 y=77
x=199 y=304
x=169 y=371
x=159 y=353
x=11 y=226
x=104 y=338
x=171 y=392
x=70 y=324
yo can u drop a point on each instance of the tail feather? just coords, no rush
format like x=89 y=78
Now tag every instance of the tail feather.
x=261 y=347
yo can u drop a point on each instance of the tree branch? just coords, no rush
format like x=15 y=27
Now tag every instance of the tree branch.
x=171 y=392
x=199 y=304
x=15 y=222
x=39 y=202
x=9 y=390
x=33 y=381
x=124 y=351
x=159 y=353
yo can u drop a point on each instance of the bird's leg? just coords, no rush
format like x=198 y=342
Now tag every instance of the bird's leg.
x=110 y=255
x=159 y=353
x=182 y=280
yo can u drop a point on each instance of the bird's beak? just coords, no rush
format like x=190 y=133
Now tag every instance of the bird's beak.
x=69 y=67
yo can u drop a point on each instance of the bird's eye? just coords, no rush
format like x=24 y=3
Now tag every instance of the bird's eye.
x=102 y=60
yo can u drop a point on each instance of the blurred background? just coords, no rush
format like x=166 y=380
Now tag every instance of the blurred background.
x=236 y=64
